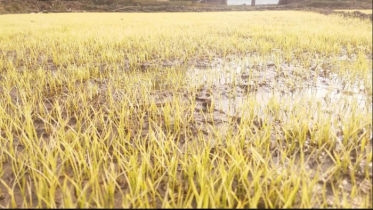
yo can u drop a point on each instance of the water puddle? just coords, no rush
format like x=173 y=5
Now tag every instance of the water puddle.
x=231 y=84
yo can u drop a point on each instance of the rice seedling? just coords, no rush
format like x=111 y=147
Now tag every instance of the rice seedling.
x=185 y=110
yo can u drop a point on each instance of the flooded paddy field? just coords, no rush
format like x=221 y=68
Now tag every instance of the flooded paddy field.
x=193 y=110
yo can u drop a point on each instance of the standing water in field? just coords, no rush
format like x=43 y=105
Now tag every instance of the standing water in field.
x=234 y=81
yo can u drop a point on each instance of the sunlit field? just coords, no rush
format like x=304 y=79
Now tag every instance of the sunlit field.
x=188 y=110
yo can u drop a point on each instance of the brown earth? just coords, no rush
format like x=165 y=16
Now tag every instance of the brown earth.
x=54 y=6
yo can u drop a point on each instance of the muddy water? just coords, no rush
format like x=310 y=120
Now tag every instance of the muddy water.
x=233 y=83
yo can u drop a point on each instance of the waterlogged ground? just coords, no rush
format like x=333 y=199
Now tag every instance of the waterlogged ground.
x=238 y=115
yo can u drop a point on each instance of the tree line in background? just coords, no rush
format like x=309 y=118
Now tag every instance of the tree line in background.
x=281 y=2
x=93 y=1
